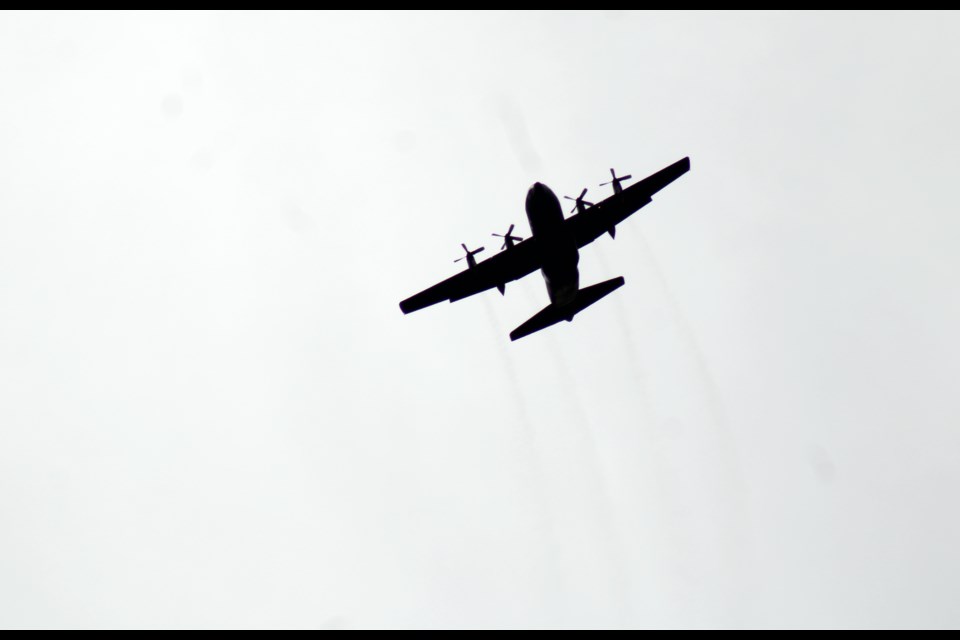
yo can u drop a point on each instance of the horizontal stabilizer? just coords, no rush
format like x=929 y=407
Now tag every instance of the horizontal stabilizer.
x=552 y=314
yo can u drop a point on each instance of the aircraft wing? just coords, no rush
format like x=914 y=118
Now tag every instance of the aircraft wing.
x=605 y=216
x=506 y=266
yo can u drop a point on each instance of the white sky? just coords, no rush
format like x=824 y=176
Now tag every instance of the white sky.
x=213 y=413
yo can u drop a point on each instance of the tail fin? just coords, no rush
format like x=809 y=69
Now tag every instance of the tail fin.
x=552 y=314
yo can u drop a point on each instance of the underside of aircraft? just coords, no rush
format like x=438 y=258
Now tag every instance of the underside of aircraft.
x=553 y=248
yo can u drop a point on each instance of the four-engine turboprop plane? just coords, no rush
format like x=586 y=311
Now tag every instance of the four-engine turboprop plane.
x=553 y=249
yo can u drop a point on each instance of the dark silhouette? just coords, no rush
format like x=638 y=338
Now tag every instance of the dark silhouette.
x=553 y=248
x=471 y=261
x=508 y=239
x=617 y=189
x=578 y=202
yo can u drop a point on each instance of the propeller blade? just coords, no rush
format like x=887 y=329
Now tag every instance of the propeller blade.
x=510 y=230
x=616 y=180
x=468 y=252
x=582 y=193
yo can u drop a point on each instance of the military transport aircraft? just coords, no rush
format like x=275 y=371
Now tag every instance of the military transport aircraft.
x=553 y=248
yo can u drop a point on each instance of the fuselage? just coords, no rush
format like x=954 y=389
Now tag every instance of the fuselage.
x=558 y=250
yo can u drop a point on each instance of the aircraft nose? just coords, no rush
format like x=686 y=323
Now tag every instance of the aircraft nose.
x=538 y=193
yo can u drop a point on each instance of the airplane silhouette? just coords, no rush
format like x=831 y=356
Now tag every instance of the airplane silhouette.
x=553 y=249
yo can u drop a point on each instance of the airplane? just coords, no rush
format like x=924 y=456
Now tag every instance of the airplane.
x=553 y=249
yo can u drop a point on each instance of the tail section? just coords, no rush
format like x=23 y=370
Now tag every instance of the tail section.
x=552 y=314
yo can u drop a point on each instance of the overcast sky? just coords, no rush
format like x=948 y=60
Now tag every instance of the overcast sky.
x=213 y=412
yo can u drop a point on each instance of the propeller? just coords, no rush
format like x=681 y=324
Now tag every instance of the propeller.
x=508 y=238
x=579 y=202
x=471 y=261
x=616 y=181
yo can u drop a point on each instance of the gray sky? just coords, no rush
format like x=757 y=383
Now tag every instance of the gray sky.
x=213 y=413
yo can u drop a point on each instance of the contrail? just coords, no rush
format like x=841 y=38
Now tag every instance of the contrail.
x=647 y=419
x=555 y=580
x=736 y=542
x=635 y=356
x=613 y=547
